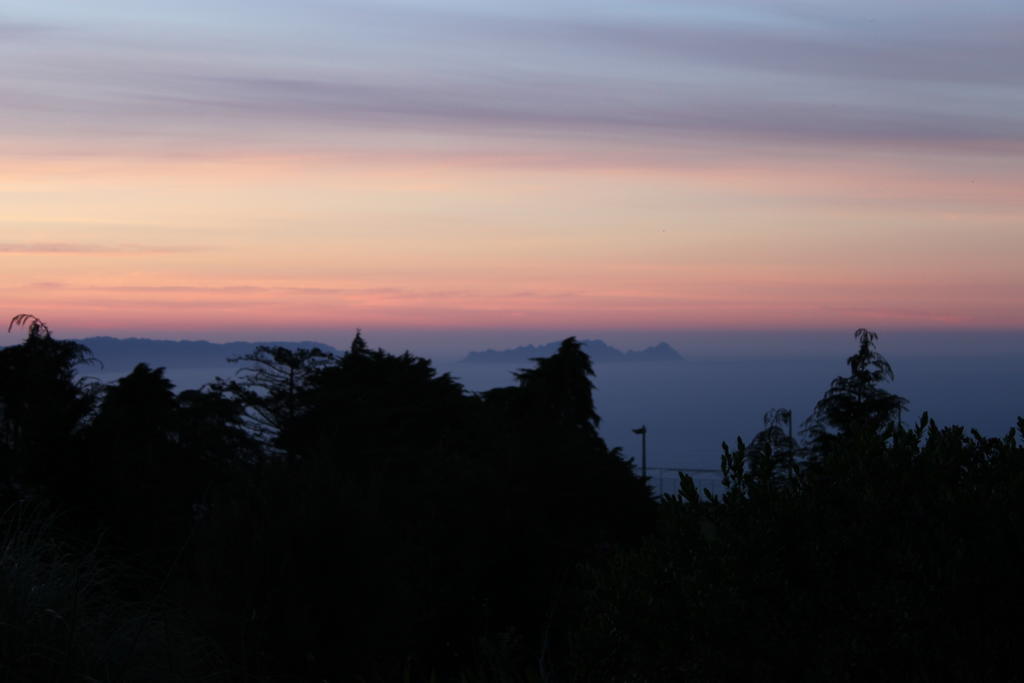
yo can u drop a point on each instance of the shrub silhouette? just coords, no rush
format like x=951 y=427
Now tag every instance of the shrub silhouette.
x=886 y=553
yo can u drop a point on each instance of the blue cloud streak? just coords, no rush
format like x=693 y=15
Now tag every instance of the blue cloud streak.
x=344 y=74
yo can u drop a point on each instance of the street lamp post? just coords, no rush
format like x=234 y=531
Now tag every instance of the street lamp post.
x=642 y=431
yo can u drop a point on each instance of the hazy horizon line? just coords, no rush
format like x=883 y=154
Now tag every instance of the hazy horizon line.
x=450 y=342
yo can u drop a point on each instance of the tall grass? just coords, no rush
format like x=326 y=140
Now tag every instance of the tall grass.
x=62 y=619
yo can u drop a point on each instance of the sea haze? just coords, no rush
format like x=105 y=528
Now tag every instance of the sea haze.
x=689 y=406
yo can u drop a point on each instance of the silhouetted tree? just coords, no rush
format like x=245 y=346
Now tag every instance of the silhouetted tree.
x=856 y=404
x=559 y=389
x=270 y=385
x=768 y=462
x=212 y=426
x=42 y=406
x=140 y=480
x=373 y=405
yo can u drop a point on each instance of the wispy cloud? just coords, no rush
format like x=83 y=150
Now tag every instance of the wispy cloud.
x=230 y=289
x=785 y=73
x=10 y=30
x=88 y=248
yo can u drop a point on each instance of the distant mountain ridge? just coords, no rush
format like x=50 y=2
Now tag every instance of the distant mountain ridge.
x=123 y=354
x=598 y=350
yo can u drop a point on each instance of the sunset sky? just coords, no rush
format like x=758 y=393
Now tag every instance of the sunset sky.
x=227 y=168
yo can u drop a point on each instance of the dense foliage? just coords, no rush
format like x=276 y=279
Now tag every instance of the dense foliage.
x=361 y=517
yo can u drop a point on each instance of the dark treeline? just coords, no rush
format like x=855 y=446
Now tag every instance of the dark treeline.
x=359 y=517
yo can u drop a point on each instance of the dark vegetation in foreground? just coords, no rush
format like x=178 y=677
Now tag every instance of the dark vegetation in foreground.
x=323 y=518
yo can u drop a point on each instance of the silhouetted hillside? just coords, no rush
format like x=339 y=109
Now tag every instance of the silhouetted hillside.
x=124 y=354
x=598 y=351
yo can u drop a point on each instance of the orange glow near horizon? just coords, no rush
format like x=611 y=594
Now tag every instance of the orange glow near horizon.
x=434 y=164
x=784 y=244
